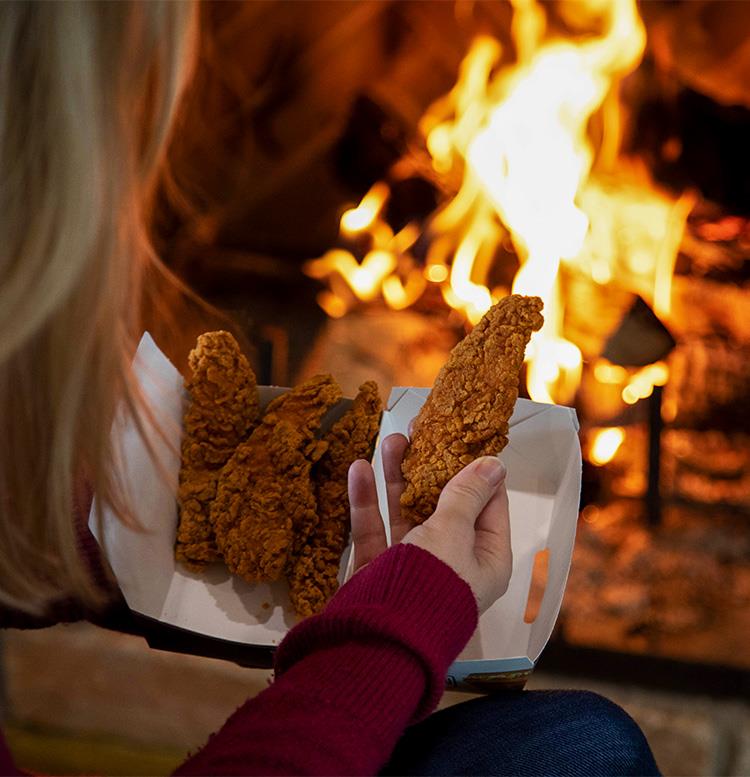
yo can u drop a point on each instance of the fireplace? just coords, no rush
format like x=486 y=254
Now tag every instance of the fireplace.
x=353 y=183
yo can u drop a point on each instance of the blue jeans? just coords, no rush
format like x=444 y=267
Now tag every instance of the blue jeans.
x=526 y=733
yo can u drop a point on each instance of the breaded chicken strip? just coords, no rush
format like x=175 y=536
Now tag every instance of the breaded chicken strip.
x=313 y=573
x=466 y=414
x=265 y=496
x=222 y=411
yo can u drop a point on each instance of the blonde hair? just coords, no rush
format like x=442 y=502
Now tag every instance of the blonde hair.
x=87 y=94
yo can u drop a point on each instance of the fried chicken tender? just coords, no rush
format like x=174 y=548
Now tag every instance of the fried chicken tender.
x=466 y=414
x=265 y=500
x=223 y=409
x=313 y=573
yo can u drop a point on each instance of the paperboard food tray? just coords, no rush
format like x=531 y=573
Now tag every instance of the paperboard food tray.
x=218 y=614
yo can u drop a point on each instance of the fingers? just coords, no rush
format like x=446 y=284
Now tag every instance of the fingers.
x=492 y=539
x=394 y=447
x=494 y=520
x=368 y=532
x=468 y=492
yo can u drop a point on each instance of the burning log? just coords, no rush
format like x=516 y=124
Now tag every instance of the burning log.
x=391 y=347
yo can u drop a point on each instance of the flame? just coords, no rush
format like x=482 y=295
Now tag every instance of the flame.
x=634 y=234
x=517 y=137
x=532 y=157
x=364 y=279
x=436 y=273
x=400 y=295
x=641 y=385
x=635 y=385
x=605 y=372
x=605 y=444
x=356 y=220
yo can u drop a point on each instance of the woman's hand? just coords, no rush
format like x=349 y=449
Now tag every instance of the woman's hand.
x=469 y=530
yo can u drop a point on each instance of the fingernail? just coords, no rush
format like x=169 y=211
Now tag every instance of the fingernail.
x=491 y=469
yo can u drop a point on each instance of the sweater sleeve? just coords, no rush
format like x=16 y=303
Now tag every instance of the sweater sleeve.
x=350 y=680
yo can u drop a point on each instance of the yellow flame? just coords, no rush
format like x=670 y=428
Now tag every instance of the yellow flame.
x=664 y=270
x=605 y=372
x=398 y=295
x=437 y=273
x=451 y=122
x=553 y=370
x=516 y=135
x=364 y=279
x=533 y=155
x=634 y=235
x=474 y=298
x=402 y=241
x=605 y=444
x=362 y=217
x=333 y=305
x=641 y=385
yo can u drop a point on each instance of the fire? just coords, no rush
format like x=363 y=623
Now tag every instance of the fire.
x=605 y=444
x=636 y=385
x=641 y=385
x=363 y=279
x=362 y=217
x=517 y=138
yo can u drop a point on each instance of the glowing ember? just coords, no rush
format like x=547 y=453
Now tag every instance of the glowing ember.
x=605 y=444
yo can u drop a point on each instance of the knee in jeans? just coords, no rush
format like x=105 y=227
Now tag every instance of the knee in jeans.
x=608 y=715
x=613 y=731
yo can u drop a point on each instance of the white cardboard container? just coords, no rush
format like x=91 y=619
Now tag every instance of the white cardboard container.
x=543 y=460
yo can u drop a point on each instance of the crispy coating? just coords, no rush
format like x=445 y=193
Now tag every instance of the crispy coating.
x=222 y=411
x=313 y=573
x=466 y=414
x=265 y=496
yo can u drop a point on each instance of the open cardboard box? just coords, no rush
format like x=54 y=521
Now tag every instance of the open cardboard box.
x=219 y=615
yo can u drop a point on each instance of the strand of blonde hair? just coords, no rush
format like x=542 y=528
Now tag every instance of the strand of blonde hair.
x=87 y=93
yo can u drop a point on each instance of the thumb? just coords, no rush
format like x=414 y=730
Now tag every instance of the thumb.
x=467 y=493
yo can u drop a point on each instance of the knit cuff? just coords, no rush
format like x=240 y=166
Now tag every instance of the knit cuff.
x=406 y=598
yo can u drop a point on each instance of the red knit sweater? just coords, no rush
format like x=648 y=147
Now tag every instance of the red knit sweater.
x=349 y=681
